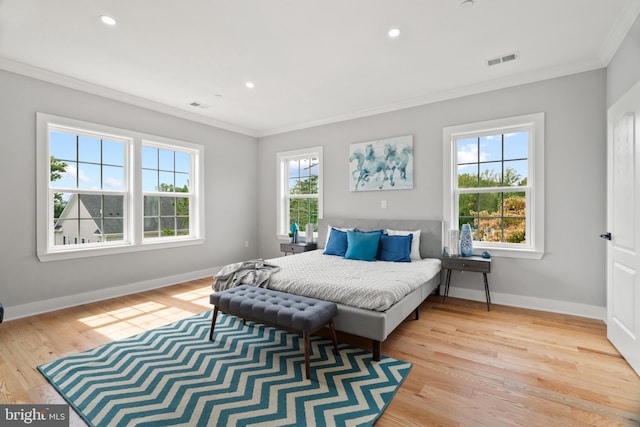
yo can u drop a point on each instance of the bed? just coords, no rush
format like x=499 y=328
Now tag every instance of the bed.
x=378 y=313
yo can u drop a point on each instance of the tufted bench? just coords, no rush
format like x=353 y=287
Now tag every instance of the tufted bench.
x=280 y=309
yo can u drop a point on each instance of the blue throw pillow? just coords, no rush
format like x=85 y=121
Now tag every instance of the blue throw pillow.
x=362 y=246
x=395 y=248
x=369 y=232
x=337 y=244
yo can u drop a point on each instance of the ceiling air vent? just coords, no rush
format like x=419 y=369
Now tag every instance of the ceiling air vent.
x=199 y=105
x=501 y=59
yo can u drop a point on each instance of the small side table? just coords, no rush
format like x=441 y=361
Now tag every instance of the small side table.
x=471 y=263
x=297 y=248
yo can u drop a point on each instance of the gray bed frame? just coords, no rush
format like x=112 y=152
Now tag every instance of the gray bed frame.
x=377 y=325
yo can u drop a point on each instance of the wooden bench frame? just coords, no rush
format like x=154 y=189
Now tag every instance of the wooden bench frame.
x=305 y=334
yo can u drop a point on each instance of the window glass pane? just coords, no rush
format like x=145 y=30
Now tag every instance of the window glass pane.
x=63 y=174
x=165 y=158
x=90 y=230
x=167 y=206
x=151 y=205
x=183 y=162
x=467 y=205
x=312 y=185
x=294 y=168
x=183 y=226
x=113 y=178
x=88 y=176
x=62 y=146
x=491 y=148
x=182 y=182
x=515 y=204
x=516 y=145
x=149 y=157
x=113 y=207
x=468 y=176
x=314 y=167
x=113 y=229
x=515 y=230
x=149 y=180
x=491 y=174
x=294 y=186
x=304 y=167
x=66 y=232
x=489 y=204
x=467 y=150
x=112 y=153
x=88 y=149
x=151 y=227
x=60 y=201
x=515 y=172
x=166 y=181
x=168 y=226
x=182 y=206
x=488 y=230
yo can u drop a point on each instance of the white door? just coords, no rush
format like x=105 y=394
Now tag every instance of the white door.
x=623 y=206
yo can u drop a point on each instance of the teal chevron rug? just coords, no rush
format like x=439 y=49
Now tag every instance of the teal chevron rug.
x=250 y=375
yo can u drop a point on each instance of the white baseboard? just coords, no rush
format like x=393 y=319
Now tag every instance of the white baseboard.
x=38 y=307
x=533 y=303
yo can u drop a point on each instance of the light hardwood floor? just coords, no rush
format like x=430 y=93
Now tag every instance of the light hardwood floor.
x=471 y=367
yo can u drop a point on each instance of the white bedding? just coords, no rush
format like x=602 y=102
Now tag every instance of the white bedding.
x=369 y=285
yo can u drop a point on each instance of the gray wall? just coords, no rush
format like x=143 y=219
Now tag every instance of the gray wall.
x=573 y=267
x=572 y=270
x=624 y=68
x=33 y=285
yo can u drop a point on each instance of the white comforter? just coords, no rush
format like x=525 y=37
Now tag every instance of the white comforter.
x=369 y=285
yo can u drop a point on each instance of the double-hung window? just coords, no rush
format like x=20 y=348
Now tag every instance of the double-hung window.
x=107 y=190
x=299 y=190
x=166 y=176
x=494 y=181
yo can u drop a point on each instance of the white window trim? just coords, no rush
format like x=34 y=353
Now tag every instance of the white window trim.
x=133 y=231
x=282 y=213
x=535 y=207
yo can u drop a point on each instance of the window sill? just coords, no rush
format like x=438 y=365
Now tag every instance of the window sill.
x=113 y=250
x=508 y=253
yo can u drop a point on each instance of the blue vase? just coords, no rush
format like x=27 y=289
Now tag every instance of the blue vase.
x=466 y=241
x=294 y=232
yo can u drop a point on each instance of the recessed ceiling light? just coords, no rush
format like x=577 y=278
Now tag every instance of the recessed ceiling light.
x=393 y=33
x=108 y=20
x=467 y=3
x=250 y=85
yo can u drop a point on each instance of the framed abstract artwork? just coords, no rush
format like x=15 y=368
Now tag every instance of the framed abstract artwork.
x=384 y=164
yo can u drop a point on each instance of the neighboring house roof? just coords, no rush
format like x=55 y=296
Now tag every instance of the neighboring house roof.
x=112 y=208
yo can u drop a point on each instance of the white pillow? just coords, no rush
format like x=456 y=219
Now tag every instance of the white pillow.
x=329 y=233
x=415 y=241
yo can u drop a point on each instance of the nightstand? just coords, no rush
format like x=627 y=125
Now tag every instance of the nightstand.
x=471 y=263
x=297 y=248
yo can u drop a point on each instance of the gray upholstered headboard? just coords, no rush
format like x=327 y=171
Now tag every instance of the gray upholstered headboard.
x=430 y=237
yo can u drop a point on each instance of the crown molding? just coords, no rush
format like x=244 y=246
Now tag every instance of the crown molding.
x=502 y=83
x=619 y=31
x=94 y=89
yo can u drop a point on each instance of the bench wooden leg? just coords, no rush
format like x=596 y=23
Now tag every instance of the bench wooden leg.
x=213 y=323
x=307 y=359
x=333 y=336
